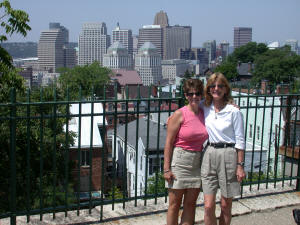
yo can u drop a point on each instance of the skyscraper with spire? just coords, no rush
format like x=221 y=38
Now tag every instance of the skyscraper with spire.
x=124 y=36
x=161 y=19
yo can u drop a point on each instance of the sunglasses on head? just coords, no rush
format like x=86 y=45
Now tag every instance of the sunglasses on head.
x=191 y=94
x=214 y=86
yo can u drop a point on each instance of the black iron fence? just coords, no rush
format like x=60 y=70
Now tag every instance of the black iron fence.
x=59 y=154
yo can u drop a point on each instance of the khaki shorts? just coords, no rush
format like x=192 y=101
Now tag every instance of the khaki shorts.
x=185 y=165
x=219 y=171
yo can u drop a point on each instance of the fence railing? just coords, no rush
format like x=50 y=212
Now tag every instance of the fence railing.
x=60 y=153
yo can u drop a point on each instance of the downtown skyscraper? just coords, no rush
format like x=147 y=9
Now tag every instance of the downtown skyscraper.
x=175 y=38
x=124 y=36
x=153 y=34
x=242 y=36
x=93 y=43
x=167 y=39
x=53 y=50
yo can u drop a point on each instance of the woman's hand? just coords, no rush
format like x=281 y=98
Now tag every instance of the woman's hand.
x=169 y=176
x=240 y=173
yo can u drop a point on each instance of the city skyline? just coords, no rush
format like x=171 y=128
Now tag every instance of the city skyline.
x=210 y=20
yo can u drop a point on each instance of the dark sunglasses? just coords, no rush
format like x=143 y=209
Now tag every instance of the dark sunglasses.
x=214 y=86
x=191 y=94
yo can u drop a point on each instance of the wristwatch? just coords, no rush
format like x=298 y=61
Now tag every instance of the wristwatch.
x=241 y=164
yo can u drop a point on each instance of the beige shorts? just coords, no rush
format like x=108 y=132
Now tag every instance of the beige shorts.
x=185 y=165
x=219 y=171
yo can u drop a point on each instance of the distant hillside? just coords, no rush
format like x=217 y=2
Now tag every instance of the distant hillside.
x=21 y=49
x=25 y=49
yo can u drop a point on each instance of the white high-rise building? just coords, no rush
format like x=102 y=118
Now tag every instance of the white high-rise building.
x=173 y=68
x=210 y=47
x=124 y=36
x=148 y=64
x=117 y=57
x=294 y=45
x=93 y=43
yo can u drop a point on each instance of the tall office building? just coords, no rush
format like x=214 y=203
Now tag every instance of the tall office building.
x=294 y=45
x=124 y=36
x=148 y=64
x=135 y=41
x=153 y=34
x=173 y=68
x=210 y=47
x=242 y=36
x=199 y=54
x=176 y=37
x=64 y=30
x=117 y=57
x=51 y=49
x=224 y=47
x=161 y=18
x=93 y=43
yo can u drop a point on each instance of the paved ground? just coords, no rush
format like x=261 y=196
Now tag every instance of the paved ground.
x=267 y=209
x=280 y=216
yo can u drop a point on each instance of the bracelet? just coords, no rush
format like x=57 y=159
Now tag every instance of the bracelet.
x=241 y=164
x=166 y=171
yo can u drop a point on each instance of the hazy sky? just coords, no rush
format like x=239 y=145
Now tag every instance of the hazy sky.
x=271 y=20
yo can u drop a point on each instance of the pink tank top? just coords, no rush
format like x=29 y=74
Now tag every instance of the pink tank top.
x=192 y=132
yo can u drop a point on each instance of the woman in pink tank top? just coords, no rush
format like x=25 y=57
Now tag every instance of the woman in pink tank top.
x=186 y=134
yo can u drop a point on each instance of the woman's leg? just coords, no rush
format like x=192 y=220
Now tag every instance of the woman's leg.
x=226 y=205
x=189 y=206
x=175 y=198
x=210 y=209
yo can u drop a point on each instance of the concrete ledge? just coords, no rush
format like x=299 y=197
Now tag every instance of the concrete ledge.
x=156 y=213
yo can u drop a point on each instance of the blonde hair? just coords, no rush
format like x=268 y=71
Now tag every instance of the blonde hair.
x=211 y=80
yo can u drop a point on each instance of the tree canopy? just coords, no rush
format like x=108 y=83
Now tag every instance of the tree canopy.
x=12 y=21
x=275 y=65
x=87 y=77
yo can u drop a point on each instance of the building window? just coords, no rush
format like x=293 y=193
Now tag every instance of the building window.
x=85 y=158
x=123 y=106
x=243 y=103
x=250 y=131
x=110 y=106
x=258 y=132
x=141 y=163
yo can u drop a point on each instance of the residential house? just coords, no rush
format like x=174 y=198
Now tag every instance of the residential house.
x=89 y=142
x=143 y=145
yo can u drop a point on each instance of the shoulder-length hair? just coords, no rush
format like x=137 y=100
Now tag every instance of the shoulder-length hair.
x=211 y=80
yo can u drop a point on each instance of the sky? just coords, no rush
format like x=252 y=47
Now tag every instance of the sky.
x=271 y=20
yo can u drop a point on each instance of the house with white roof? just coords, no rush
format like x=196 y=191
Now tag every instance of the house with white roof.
x=88 y=144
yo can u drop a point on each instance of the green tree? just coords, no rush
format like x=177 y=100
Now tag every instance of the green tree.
x=12 y=21
x=244 y=54
x=277 y=66
x=160 y=188
x=228 y=69
x=86 y=77
x=35 y=145
x=247 y=53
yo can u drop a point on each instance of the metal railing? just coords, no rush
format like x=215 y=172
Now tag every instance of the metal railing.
x=59 y=154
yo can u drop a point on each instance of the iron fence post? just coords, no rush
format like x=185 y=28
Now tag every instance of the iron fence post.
x=13 y=173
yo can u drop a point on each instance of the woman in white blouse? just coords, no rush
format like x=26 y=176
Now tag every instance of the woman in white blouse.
x=222 y=165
